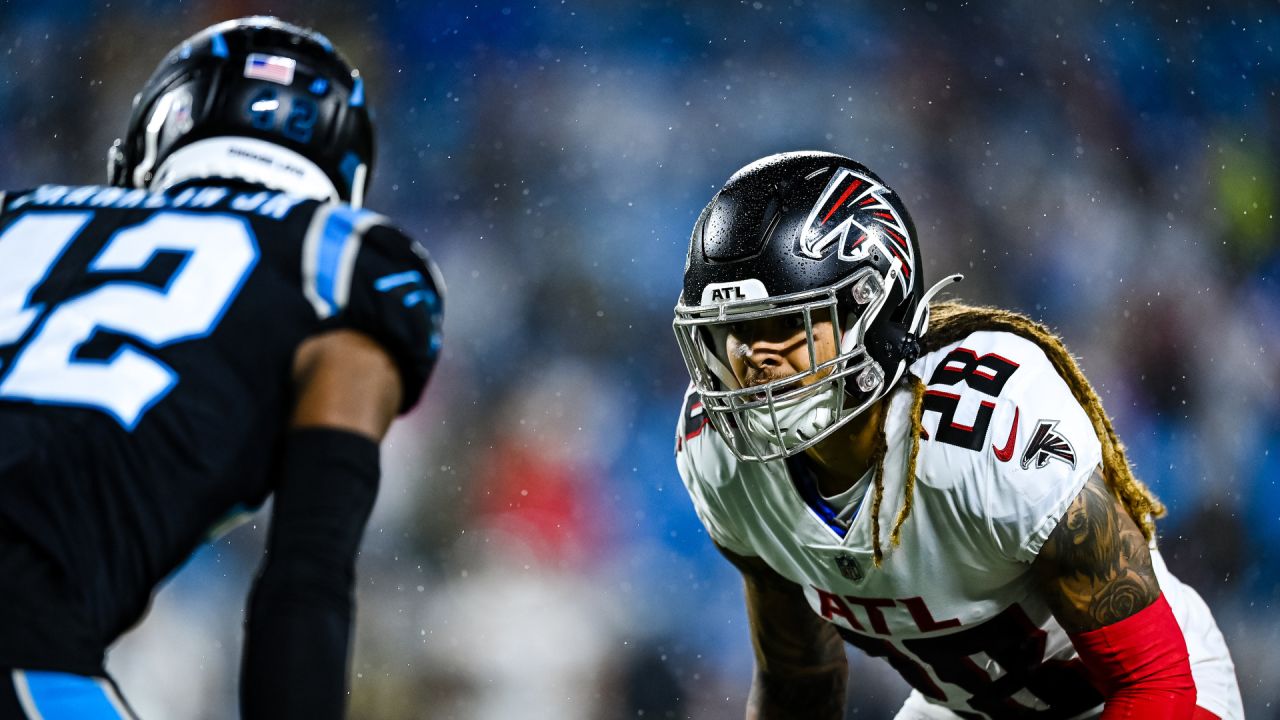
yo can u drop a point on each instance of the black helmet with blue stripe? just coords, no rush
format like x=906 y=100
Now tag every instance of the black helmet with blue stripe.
x=256 y=100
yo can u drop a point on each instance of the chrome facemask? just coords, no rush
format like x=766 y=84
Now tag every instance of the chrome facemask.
x=782 y=417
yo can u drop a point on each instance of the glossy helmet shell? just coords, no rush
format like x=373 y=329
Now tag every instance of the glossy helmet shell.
x=260 y=78
x=779 y=220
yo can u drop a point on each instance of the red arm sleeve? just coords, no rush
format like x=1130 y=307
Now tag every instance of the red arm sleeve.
x=1141 y=665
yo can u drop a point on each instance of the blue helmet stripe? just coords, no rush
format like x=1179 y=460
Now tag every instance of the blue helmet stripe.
x=357 y=93
x=323 y=40
x=219 y=46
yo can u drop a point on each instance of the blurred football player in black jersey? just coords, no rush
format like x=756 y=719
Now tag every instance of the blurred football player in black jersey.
x=222 y=323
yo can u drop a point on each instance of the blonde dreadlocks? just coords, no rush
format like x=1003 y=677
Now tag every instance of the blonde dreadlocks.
x=951 y=321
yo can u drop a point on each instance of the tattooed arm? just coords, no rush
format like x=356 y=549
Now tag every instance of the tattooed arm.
x=1095 y=569
x=1095 y=573
x=801 y=670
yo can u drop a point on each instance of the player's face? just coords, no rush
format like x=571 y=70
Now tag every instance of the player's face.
x=761 y=351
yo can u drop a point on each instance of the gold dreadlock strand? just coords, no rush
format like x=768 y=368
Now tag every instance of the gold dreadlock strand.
x=917 y=406
x=952 y=321
x=877 y=460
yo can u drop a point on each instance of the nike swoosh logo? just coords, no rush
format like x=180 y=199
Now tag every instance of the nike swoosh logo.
x=1005 y=454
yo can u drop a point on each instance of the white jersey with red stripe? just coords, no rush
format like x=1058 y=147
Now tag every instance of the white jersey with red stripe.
x=1005 y=450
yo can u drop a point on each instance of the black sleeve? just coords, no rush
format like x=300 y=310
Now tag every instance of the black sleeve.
x=300 y=608
x=396 y=297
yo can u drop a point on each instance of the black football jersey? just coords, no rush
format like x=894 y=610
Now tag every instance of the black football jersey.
x=146 y=345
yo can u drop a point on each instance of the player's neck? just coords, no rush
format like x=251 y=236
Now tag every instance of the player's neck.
x=842 y=459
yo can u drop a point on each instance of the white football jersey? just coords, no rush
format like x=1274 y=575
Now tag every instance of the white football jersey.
x=1006 y=450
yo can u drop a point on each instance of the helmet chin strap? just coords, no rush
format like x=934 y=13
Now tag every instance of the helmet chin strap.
x=902 y=346
x=798 y=420
x=248 y=159
x=918 y=327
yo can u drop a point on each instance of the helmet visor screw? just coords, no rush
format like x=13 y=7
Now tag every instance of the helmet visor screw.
x=870 y=378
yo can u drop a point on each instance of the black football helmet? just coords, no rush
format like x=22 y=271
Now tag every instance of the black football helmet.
x=257 y=99
x=804 y=237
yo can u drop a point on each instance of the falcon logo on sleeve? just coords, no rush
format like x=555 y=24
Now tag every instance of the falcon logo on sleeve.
x=1046 y=445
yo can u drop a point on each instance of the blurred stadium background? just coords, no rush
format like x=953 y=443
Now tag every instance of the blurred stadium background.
x=1108 y=167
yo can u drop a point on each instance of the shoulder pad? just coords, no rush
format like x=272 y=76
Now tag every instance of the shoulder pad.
x=1003 y=428
x=361 y=272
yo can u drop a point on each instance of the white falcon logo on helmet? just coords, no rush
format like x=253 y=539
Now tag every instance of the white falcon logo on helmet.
x=854 y=214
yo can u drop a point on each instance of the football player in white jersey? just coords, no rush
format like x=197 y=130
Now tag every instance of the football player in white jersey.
x=938 y=486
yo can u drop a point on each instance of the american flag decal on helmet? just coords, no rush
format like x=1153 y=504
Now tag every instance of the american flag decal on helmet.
x=1047 y=444
x=273 y=68
x=855 y=215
